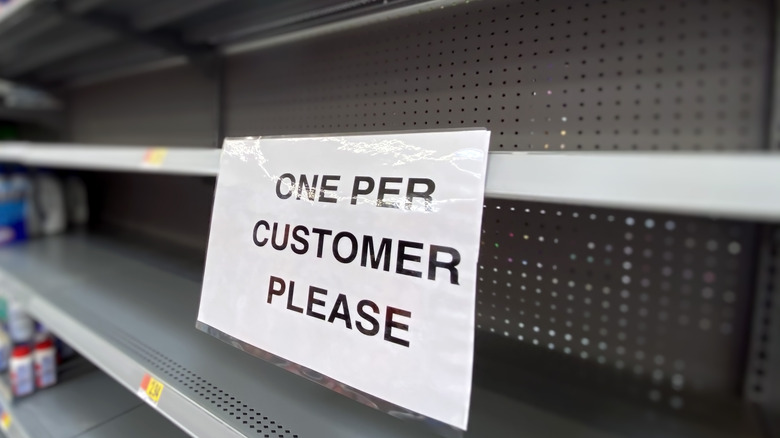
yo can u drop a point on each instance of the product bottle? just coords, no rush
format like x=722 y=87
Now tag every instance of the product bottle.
x=20 y=188
x=45 y=358
x=20 y=325
x=22 y=376
x=13 y=190
x=5 y=350
x=50 y=204
x=3 y=308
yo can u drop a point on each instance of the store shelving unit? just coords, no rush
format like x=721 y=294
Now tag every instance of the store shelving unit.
x=630 y=243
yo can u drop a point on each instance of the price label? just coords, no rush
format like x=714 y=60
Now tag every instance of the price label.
x=150 y=389
x=154 y=157
x=5 y=421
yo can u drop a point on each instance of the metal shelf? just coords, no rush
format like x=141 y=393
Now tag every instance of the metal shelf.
x=182 y=161
x=724 y=185
x=735 y=186
x=132 y=310
x=64 y=39
x=85 y=403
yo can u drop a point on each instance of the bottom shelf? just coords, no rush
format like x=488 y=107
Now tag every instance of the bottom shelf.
x=85 y=403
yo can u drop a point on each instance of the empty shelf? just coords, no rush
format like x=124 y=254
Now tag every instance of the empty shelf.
x=85 y=403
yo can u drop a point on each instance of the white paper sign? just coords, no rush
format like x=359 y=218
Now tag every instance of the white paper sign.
x=356 y=257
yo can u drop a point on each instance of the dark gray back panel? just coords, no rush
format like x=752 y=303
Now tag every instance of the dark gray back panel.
x=554 y=75
x=649 y=306
x=174 y=209
x=763 y=373
x=173 y=107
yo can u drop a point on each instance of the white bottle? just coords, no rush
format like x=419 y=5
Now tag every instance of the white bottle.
x=5 y=350
x=21 y=327
x=45 y=359
x=50 y=204
x=22 y=376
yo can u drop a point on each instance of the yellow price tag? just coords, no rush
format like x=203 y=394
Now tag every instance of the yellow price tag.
x=152 y=388
x=155 y=156
x=5 y=421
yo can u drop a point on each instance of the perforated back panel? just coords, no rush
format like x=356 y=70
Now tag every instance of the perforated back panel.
x=763 y=374
x=652 y=307
x=540 y=75
x=655 y=307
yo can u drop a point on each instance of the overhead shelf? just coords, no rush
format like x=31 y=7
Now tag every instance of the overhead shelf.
x=131 y=310
x=63 y=40
x=85 y=403
x=736 y=185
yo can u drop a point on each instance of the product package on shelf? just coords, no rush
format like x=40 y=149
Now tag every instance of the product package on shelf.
x=5 y=350
x=45 y=363
x=30 y=355
x=39 y=203
x=3 y=308
x=22 y=373
x=14 y=189
x=21 y=328
x=49 y=199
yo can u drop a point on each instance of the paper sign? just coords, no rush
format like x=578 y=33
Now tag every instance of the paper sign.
x=150 y=389
x=355 y=257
